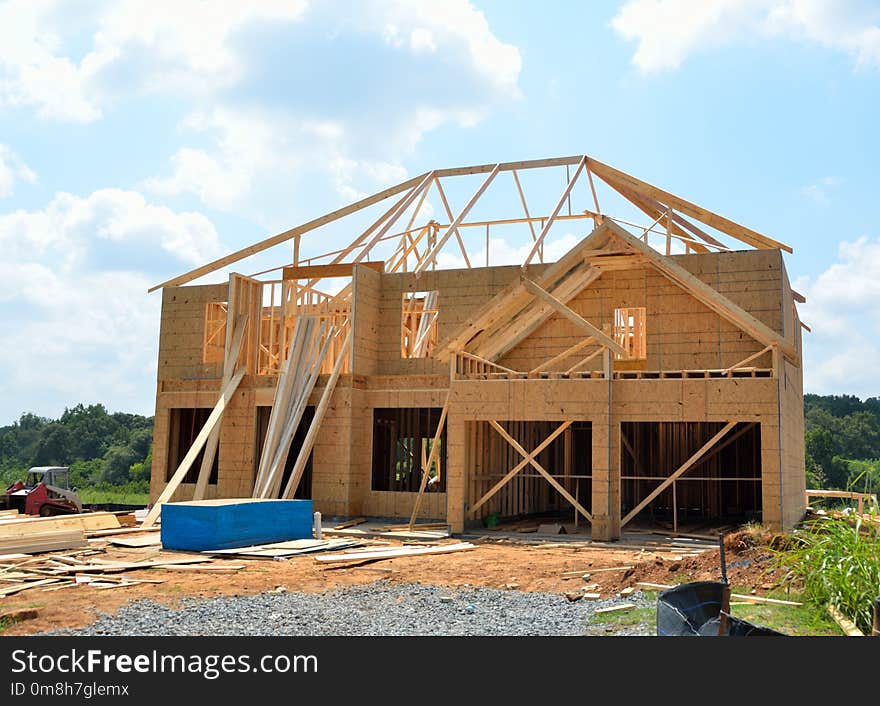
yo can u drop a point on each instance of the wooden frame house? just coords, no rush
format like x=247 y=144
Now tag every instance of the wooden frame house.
x=651 y=374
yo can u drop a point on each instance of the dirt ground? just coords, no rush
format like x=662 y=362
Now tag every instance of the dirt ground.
x=492 y=563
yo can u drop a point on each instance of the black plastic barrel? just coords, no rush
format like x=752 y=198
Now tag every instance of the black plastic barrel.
x=694 y=610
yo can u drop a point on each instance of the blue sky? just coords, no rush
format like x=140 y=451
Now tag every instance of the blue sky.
x=139 y=139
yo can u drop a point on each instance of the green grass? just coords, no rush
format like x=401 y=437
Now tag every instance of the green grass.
x=804 y=620
x=106 y=496
x=833 y=561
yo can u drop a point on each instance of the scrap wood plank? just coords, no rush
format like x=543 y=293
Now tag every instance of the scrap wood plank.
x=150 y=540
x=10 y=590
x=844 y=623
x=129 y=565
x=395 y=553
x=738 y=596
x=418 y=526
x=350 y=523
x=616 y=608
x=215 y=568
x=121 y=530
x=611 y=568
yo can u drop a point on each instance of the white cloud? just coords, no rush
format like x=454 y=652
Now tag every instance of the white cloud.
x=669 y=31
x=454 y=25
x=355 y=150
x=843 y=313
x=818 y=192
x=79 y=325
x=13 y=169
x=72 y=228
x=136 y=46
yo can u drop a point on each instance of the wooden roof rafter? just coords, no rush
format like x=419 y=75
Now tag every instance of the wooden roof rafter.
x=649 y=199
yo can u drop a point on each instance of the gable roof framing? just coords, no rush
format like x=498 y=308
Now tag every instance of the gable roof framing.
x=519 y=309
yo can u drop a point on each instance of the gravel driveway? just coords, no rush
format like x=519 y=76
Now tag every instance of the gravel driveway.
x=380 y=608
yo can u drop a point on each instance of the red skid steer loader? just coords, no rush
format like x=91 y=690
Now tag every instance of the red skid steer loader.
x=44 y=492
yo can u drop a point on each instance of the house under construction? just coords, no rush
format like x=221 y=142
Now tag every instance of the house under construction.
x=649 y=374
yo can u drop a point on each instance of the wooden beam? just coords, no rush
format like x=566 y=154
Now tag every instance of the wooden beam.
x=574 y=317
x=288 y=234
x=538 y=467
x=549 y=223
x=426 y=466
x=747 y=360
x=404 y=204
x=438 y=246
x=486 y=361
x=517 y=468
x=340 y=269
x=230 y=359
x=449 y=215
x=567 y=353
x=584 y=361
x=522 y=198
x=735 y=230
x=189 y=459
x=677 y=473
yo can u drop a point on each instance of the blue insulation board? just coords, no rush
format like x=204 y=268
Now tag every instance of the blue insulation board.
x=205 y=525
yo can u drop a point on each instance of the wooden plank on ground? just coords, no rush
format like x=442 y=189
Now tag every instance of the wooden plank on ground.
x=844 y=623
x=616 y=608
x=147 y=540
x=88 y=521
x=400 y=552
x=350 y=523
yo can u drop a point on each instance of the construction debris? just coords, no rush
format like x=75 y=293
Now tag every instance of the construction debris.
x=281 y=550
x=394 y=553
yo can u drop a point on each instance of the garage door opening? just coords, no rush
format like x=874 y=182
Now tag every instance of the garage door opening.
x=506 y=486
x=720 y=483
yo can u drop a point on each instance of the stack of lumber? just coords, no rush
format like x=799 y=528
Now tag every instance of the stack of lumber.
x=28 y=535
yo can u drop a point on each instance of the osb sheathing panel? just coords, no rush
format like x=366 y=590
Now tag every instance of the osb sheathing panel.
x=682 y=333
x=332 y=454
x=461 y=293
x=366 y=284
x=182 y=332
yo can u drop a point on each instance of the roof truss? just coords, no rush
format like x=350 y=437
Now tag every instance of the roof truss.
x=668 y=211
